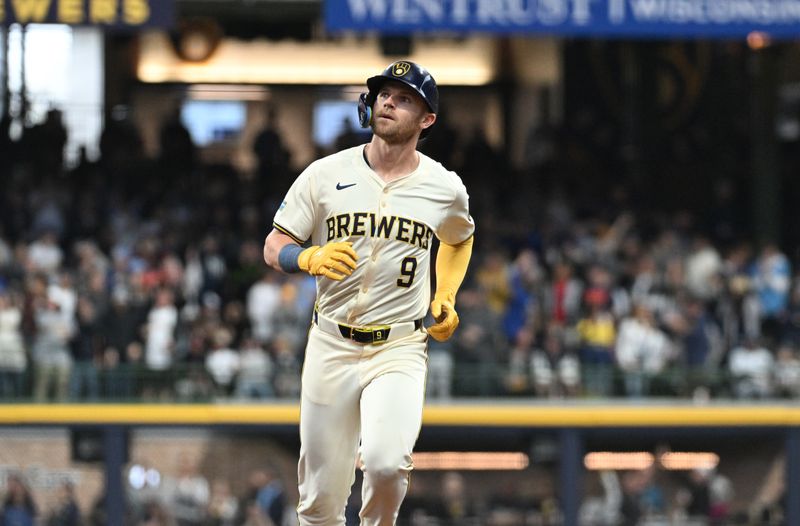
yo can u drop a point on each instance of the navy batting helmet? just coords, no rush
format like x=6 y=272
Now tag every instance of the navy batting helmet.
x=412 y=75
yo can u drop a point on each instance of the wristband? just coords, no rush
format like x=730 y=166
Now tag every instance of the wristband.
x=287 y=258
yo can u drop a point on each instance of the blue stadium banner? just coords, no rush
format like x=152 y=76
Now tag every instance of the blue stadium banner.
x=611 y=18
x=118 y=14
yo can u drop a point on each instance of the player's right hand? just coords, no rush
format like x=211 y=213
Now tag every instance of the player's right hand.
x=335 y=261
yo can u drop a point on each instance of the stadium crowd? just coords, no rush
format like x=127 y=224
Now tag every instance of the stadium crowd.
x=136 y=278
x=140 y=278
x=187 y=497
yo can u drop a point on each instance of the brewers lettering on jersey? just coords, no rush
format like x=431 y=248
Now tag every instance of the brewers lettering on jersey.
x=370 y=214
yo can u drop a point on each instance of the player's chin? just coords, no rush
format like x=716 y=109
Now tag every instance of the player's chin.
x=384 y=128
x=393 y=134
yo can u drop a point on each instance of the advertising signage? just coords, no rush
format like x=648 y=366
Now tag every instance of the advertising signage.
x=119 y=14
x=613 y=18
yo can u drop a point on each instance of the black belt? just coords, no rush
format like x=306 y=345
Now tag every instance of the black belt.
x=366 y=335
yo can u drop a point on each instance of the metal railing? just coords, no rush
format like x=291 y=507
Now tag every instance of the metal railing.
x=193 y=383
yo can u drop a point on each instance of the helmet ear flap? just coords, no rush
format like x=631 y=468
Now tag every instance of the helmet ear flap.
x=364 y=111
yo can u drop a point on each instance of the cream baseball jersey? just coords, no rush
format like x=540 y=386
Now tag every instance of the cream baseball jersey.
x=391 y=226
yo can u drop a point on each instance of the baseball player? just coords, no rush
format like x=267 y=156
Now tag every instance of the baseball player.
x=370 y=213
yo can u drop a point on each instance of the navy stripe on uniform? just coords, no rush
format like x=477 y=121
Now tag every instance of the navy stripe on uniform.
x=283 y=230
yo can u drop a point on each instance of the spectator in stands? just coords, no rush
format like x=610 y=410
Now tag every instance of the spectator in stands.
x=492 y=276
x=248 y=269
x=518 y=379
x=786 y=372
x=701 y=345
x=454 y=506
x=771 y=276
x=160 y=339
x=48 y=219
x=192 y=276
x=601 y=277
x=272 y=156
x=790 y=321
x=213 y=265
x=223 y=506
x=114 y=380
x=124 y=374
x=13 y=358
x=157 y=514
x=63 y=292
x=555 y=370
x=53 y=330
x=193 y=382
x=85 y=352
x=597 y=331
x=256 y=369
x=737 y=308
x=263 y=300
x=66 y=511
x=632 y=485
x=562 y=300
x=645 y=280
x=603 y=507
x=287 y=368
x=8 y=147
x=652 y=498
x=235 y=317
x=642 y=351
x=44 y=254
x=349 y=136
x=751 y=367
x=6 y=252
x=178 y=152
x=477 y=343
x=48 y=140
x=698 y=484
x=266 y=491
x=187 y=495
x=287 y=320
x=703 y=268
x=19 y=507
x=524 y=294
x=223 y=362
x=721 y=496
x=98 y=515
x=122 y=322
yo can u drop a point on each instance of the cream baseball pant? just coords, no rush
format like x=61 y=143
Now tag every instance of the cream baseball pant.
x=355 y=391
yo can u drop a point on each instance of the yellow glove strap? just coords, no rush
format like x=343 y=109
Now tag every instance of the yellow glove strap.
x=305 y=256
x=335 y=260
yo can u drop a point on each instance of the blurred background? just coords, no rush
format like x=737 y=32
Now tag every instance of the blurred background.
x=630 y=326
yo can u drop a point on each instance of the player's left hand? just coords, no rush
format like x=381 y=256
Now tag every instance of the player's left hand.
x=444 y=312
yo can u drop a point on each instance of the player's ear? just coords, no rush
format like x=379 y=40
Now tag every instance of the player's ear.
x=427 y=120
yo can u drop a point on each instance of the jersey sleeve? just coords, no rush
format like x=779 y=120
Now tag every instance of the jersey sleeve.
x=296 y=214
x=458 y=225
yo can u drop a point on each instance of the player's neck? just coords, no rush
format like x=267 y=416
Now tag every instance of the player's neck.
x=391 y=161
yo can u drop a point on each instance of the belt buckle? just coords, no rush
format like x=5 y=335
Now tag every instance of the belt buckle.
x=370 y=335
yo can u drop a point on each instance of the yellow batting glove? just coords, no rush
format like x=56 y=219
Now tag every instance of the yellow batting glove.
x=335 y=261
x=444 y=312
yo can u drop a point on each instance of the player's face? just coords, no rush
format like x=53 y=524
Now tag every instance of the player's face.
x=399 y=114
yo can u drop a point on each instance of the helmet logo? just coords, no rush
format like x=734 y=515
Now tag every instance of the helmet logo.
x=399 y=69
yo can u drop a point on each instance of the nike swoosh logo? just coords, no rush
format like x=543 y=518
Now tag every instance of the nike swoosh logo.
x=340 y=186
